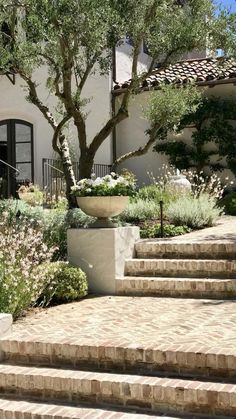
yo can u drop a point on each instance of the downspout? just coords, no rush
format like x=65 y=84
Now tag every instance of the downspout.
x=113 y=106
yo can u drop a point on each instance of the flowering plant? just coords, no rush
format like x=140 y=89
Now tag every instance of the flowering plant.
x=109 y=185
x=22 y=251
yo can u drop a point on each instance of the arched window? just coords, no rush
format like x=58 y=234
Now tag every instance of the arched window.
x=16 y=149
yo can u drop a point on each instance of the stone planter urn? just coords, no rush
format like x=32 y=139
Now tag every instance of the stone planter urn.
x=179 y=183
x=103 y=208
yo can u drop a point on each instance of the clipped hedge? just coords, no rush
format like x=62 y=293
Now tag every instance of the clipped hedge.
x=64 y=283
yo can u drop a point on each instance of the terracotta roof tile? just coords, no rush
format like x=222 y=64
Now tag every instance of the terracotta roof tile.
x=202 y=70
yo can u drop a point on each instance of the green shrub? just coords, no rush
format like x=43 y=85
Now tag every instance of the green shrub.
x=229 y=203
x=156 y=193
x=169 y=230
x=64 y=283
x=194 y=212
x=56 y=224
x=140 y=210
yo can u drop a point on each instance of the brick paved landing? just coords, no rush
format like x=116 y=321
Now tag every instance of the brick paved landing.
x=141 y=322
x=150 y=354
x=129 y=356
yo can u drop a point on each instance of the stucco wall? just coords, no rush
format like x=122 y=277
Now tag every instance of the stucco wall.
x=124 y=62
x=131 y=135
x=13 y=105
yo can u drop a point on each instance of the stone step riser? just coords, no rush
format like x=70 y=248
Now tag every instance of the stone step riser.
x=186 y=268
x=29 y=409
x=185 y=250
x=154 y=394
x=169 y=255
x=177 y=287
x=170 y=360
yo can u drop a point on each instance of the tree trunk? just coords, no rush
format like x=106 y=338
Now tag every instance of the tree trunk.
x=68 y=170
x=85 y=165
x=70 y=181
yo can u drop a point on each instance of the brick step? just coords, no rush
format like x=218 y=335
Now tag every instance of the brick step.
x=172 y=249
x=167 y=359
x=187 y=268
x=177 y=287
x=126 y=391
x=29 y=409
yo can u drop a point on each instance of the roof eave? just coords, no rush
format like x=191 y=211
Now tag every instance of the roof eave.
x=209 y=83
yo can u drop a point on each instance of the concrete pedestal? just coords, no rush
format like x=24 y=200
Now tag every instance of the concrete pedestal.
x=5 y=324
x=101 y=254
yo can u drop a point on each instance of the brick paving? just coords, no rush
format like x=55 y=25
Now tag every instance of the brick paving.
x=146 y=321
x=143 y=321
x=224 y=230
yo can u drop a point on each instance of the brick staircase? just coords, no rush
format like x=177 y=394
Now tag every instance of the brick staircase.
x=171 y=268
x=54 y=378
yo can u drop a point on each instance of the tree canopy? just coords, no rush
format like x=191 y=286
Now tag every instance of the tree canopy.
x=75 y=39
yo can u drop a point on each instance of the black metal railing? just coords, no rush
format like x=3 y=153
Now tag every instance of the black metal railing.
x=54 y=184
x=5 y=183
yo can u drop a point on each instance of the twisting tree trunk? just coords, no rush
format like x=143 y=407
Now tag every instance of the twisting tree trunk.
x=59 y=141
x=86 y=161
x=64 y=154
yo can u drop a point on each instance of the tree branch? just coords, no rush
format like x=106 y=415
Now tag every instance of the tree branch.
x=141 y=150
x=33 y=95
x=57 y=133
x=66 y=96
x=123 y=109
x=87 y=72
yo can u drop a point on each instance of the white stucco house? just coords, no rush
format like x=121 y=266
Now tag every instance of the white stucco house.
x=25 y=136
x=213 y=76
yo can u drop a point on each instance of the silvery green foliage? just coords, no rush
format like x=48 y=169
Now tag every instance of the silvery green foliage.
x=195 y=212
x=140 y=210
x=167 y=106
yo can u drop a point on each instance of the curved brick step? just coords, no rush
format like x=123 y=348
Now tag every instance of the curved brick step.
x=128 y=391
x=185 y=249
x=188 y=268
x=177 y=287
x=27 y=409
x=171 y=359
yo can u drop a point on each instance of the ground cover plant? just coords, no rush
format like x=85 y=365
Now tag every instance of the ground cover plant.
x=149 y=230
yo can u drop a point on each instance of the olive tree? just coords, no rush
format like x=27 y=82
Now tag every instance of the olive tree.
x=75 y=39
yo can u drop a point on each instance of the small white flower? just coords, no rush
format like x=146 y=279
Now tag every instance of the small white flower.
x=97 y=181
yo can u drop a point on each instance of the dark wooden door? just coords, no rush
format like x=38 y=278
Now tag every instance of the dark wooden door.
x=16 y=150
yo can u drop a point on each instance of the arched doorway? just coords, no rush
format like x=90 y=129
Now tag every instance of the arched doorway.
x=16 y=150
